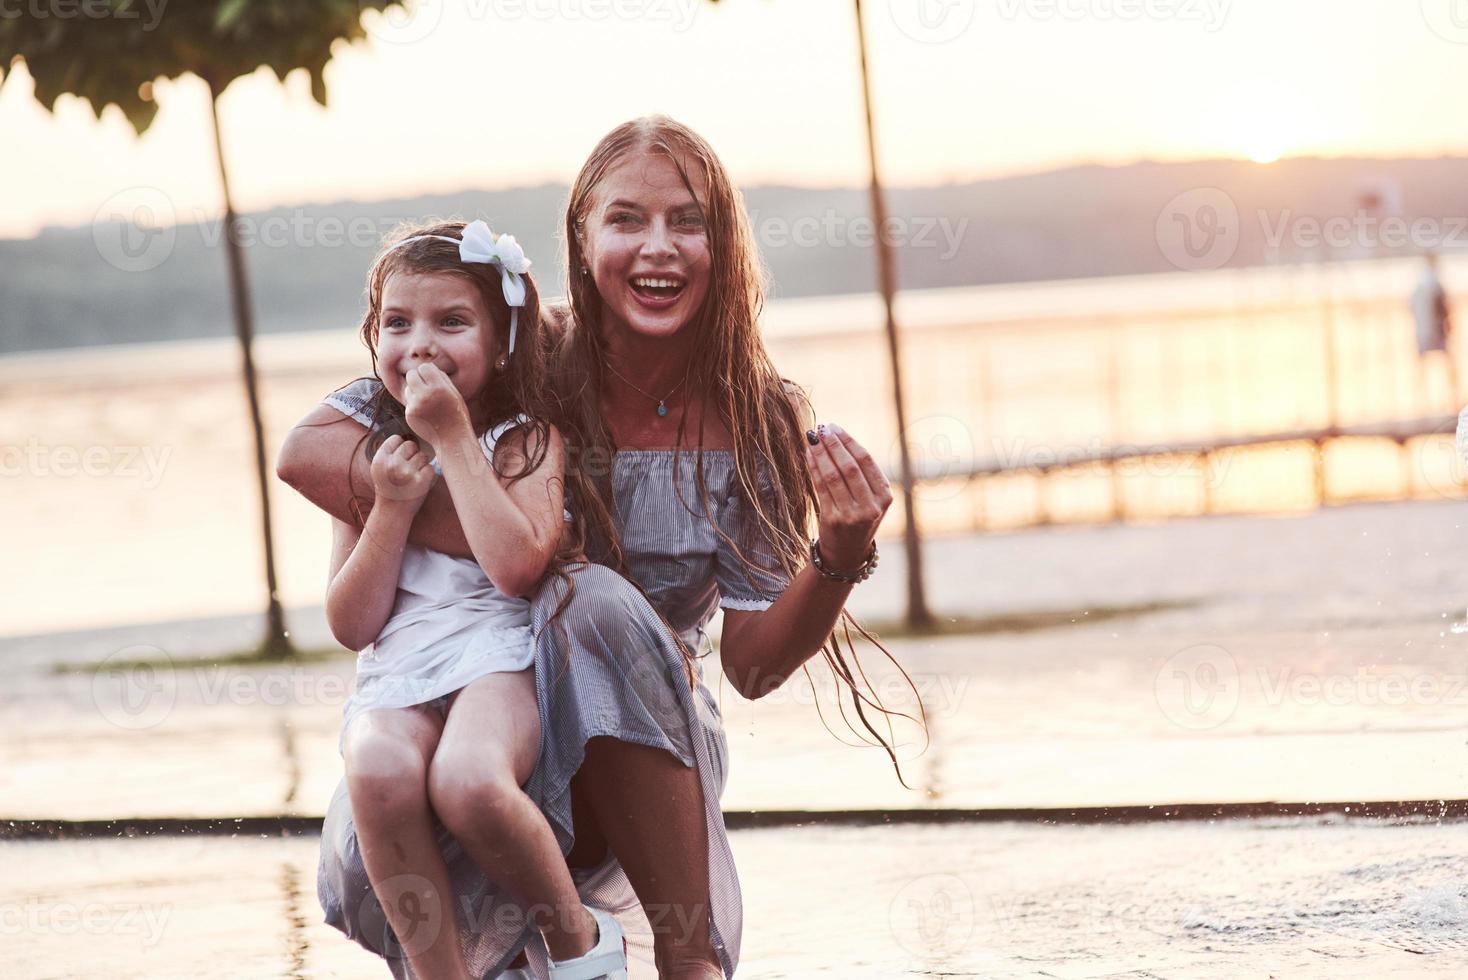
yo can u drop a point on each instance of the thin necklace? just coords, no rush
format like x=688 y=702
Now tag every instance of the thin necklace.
x=662 y=406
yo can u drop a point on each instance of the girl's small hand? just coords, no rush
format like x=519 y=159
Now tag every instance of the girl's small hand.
x=853 y=496
x=401 y=473
x=435 y=409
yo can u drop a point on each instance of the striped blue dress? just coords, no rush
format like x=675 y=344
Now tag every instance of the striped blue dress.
x=608 y=666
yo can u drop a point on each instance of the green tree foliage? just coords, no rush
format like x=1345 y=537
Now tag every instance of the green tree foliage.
x=110 y=51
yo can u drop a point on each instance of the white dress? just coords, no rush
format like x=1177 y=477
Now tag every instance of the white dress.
x=449 y=626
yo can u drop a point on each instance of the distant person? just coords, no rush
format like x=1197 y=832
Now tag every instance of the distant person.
x=443 y=725
x=1434 y=320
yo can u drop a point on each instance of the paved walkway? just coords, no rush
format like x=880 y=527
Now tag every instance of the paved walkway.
x=1241 y=899
x=1276 y=674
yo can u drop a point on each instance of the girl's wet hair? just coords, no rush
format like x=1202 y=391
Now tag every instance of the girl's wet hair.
x=519 y=389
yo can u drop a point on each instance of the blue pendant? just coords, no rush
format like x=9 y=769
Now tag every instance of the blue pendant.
x=662 y=409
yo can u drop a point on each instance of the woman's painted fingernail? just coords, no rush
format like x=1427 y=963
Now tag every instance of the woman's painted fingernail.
x=811 y=437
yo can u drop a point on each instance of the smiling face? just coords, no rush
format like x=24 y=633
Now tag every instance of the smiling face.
x=434 y=318
x=646 y=245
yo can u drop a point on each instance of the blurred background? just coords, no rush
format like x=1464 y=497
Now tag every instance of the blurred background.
x=1173 y=285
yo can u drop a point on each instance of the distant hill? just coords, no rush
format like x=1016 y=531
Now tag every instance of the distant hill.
x=308 y=269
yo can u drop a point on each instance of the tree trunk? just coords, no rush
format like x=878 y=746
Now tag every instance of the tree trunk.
x=276 y=644
x=918 y=614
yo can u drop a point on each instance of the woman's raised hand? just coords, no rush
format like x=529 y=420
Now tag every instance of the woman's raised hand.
x=853 y=496
x=401 y=473
x=435 y=409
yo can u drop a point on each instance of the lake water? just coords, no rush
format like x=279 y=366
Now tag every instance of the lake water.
x=129 y=493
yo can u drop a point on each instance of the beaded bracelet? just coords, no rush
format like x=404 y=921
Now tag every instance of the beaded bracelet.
x=862 y=573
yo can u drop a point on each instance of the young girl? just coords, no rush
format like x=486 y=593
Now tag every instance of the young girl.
x=444 y=721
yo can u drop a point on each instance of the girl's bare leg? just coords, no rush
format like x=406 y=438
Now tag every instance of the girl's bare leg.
x=387 y=755
x=488 y=750
x=649 y=809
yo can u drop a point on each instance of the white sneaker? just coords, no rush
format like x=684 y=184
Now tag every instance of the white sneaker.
x=607 y=960
x=519 y=973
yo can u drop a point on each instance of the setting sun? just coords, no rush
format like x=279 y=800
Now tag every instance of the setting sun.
x=1265 y=152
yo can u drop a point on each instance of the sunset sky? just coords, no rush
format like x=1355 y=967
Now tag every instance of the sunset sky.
x=503 y=92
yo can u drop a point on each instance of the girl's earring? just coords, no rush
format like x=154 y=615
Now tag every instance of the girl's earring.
x=502 y=363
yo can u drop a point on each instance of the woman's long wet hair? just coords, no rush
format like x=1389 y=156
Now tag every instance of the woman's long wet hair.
x=730 y=373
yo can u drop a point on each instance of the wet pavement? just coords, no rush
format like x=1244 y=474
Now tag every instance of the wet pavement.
x=1325 y=898
x=1219 y=661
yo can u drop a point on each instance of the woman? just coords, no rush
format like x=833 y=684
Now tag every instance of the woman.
x=701 y=489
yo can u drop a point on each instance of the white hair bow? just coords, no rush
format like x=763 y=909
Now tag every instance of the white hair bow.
x=479 y=244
